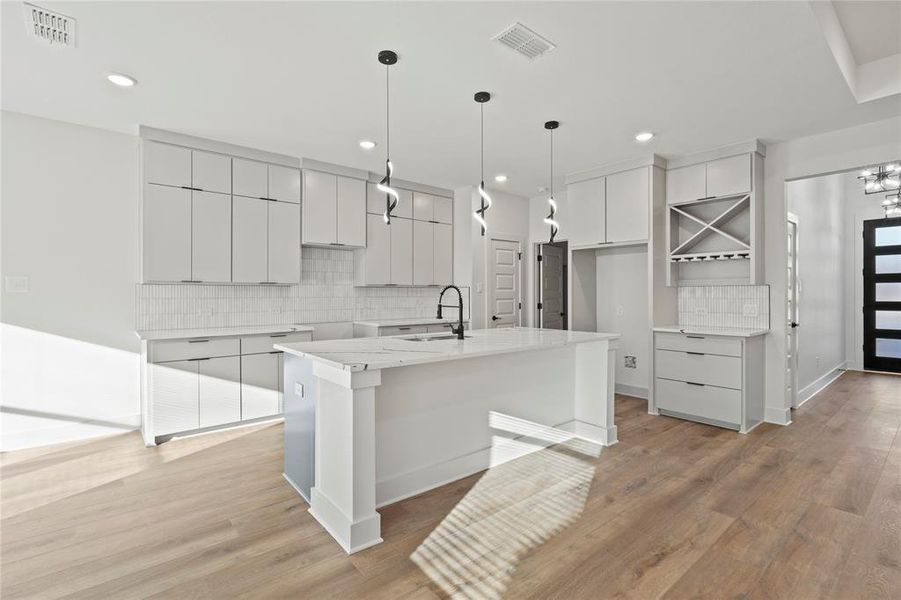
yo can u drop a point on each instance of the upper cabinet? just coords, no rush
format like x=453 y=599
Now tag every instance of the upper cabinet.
x=716 y=178
x=628 y=202
x=436 y=209
x=165 y=164
x=375 y=202
x=284 y=184
x=334 y=210
x=585 y=224
x=211 y=172
x=255 y=179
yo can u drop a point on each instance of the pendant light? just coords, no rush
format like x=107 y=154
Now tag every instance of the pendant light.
x=485 y=199
x=388 y=58
x=550 y=220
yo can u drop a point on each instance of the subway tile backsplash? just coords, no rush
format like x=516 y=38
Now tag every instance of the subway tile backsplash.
x=741 y=306
x=326 y=294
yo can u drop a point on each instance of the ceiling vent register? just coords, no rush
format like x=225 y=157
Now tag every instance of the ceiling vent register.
x=49 y=26
x=524 y=41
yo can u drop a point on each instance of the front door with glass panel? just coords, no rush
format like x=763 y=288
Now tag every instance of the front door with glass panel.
x=882 y=295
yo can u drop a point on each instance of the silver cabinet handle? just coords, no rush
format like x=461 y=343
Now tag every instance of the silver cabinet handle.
x=198 y=341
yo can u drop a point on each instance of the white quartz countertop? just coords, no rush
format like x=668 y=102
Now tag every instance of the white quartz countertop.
x=359 y=354
x=724 y=331
x=181 y=334
x=404 y=322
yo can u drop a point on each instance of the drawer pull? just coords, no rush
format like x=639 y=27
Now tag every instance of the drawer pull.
x=275 y=335
x=404 y=328
x=693 y=383
x=694 y=353
x=197 y=359
x=695 y=337
x=198 y=341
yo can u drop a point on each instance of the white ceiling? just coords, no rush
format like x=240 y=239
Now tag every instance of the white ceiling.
x=302 y=79
x=873 y=28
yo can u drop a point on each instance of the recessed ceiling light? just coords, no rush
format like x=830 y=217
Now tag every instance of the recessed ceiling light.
x=500 y=178
x=644 y=136
x=121 y=80
x=367 y=144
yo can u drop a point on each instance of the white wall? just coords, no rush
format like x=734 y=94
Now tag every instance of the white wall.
x=821 y=154
x=508 y=218
x=69 y=207
x=622 y=307
x=822 y=245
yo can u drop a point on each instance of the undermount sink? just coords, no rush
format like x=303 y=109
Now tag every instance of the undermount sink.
x=427 y=338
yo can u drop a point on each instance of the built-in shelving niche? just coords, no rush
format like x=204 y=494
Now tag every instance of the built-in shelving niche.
x=710 y=241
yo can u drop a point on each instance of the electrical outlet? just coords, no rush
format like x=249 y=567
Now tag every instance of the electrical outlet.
x=700 y=311
x=298 y=389
x=16 y=284
x=749 y=310
x=631 y=362
x=619 y=310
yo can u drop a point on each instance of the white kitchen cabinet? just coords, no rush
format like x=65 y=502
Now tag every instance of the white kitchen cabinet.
x=444 y=210
x=211 y=172
x=250 y=240
x=259 y=385
x=375 y=201
x=444 y=254
x=686 y=183
x=423 y=252
x=211 y=219
x=628 y=200
x=284 y=242
x=166 y=233
x=401 y=243
x=372 y=266
x=176 y=396
x=320 y=197
x=220 y=391
x=250 y=178
x=351 y=212
x=423 y=206
x=586 y=222
x=729 y=176
x=284 y=184
x=166 y=164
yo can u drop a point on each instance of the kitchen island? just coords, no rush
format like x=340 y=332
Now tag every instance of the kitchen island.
x=387 y=418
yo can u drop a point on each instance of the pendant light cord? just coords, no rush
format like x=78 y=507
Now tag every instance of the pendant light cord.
x=387 y=115
x=552 y=163
x=482 y=137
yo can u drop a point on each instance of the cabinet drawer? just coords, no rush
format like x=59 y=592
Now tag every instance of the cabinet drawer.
x=712 y=369
x=687 y=342
x=443 y=328
x=704 y=401
x=190 y=349
x=261 y=344
x=403 y=330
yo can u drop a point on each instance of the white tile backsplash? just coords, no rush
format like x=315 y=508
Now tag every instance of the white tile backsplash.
x=743 y=306
x=326 y=294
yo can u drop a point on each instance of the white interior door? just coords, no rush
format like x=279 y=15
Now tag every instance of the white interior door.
x=791 y=313
x=552 y=304
x=503 y=284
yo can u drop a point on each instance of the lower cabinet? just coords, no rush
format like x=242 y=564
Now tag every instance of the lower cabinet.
x=260 y=385
x=175 y=396
x=220 y=390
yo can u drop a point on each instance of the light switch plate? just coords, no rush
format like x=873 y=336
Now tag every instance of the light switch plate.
x=298 y=389
x=749 y=310
x=16 y=284
x=701 y=311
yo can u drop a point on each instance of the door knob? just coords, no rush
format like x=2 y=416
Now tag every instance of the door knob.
x=795 y=324
x=495 y=318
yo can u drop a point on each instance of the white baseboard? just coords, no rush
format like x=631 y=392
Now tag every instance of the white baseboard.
x=777 y=416
x=631 y=390
x=809 y=391
x=70 y=432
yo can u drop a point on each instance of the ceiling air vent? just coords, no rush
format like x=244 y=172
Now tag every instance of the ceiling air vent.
x=523 y=40
x=49 y=26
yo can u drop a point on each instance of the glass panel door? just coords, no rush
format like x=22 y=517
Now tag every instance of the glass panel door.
x=882 y=295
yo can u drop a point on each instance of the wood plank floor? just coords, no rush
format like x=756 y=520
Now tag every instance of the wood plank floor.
x=675 y=510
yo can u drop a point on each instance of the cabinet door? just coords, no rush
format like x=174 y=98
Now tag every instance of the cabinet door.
x=284 y=242
x=259 y=385
x=319 y=207
x=250 y=178
x=444 y=254
x=220 y=390
x=284 y=184
x=211 y=225
x=401 y=238
x=211 y=172
x=444 y=209
x=250 y=246
x=167 y=233
x=585 y=223
x=728 y=176
x=686 y=183
x=351 y=212
x=627 y=205
x=423 y=206
x=423 y=253
x=375 y=201
x=174 y=392
x=166 y=164
x=377 y=256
